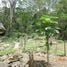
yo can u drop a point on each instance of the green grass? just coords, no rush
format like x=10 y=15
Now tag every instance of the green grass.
x=7 y=51
x=32 y=46
x=38 y=46
x=60 y=53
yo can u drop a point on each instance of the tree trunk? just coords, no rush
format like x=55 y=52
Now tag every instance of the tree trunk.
x=12 y=12
x=31 y=60
x=25 y=41
x=64 y=48
x=11 y=18
x=56 y=50
x=47 y=44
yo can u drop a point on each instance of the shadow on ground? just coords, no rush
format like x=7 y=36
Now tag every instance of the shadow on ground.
x=39 y=64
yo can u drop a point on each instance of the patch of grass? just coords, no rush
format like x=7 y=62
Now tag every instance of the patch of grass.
x=9 y=39
x=7 y=51
x=36 y=47
x=60 y=53
x=31 y=46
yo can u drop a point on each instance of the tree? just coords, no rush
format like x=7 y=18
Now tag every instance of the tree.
x=12 y=11
x=5 y=14
x=61 y=11
x=48 y=25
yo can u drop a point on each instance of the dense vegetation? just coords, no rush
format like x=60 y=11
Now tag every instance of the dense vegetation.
x=27 y=19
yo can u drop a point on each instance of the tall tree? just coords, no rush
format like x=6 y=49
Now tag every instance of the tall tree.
x=47 y=25
x=61 y=11
x=12 y=11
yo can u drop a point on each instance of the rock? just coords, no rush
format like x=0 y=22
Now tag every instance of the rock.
x=13 y=59
x=3 y=57
x=6 y=45
x=16 y=64
x=17 y=45
x=25 y=59
x=2 y=29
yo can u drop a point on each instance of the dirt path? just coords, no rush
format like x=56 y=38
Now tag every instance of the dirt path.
x=59 y=64
x=55 y=61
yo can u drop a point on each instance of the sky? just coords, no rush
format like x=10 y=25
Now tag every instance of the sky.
x=0 y=3
x=24 y=4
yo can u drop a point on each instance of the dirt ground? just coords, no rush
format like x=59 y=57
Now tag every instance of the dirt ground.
x=40 y=61
x=55 y=61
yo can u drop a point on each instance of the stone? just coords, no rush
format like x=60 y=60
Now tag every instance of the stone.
x=3 y=57
x=16 y=64
x=2 y=29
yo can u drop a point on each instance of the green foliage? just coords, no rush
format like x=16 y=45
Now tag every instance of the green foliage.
x=47 y=24
x=49 y=20
x=61 y=12
x=50 y=23
x=24 y=21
